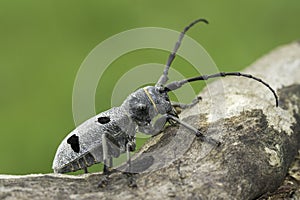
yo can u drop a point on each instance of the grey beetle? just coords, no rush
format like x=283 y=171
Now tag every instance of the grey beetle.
x=112 y=132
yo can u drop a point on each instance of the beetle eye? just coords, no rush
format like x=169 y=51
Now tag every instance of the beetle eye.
x=103 y=120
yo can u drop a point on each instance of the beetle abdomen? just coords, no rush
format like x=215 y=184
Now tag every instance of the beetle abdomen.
x=84 y=161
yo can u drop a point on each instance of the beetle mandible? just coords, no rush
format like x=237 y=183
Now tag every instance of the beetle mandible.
x=112 y=132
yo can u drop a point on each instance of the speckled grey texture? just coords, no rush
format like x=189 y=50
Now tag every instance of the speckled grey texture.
x=83 y=147
x=90 y=140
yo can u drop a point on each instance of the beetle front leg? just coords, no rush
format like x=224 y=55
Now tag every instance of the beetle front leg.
x=156 y=128
x=131 y=180
x=194 y=130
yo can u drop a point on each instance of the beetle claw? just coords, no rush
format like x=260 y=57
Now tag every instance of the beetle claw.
x=103 y=182
x=131 y=180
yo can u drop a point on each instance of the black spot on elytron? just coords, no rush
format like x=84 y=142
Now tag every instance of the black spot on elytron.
x=103 y=120
x=74 y=142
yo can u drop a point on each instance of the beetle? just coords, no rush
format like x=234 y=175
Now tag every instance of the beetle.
x=146 y=110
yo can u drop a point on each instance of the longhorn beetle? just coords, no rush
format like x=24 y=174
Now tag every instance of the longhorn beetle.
x=112 y=132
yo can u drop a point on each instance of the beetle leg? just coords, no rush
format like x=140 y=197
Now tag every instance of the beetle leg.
x=128 y=157
x=181 y=106
x=103 y=182
x=195 y=131
x=105 y=154
x=110 y=162
x=131 y=180
x=156 y=127
x=85 y=170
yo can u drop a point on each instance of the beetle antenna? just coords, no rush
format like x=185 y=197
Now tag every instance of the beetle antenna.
x=164 y=77
x=177 y=84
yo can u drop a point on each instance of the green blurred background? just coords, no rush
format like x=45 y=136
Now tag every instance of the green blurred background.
x=43 y=43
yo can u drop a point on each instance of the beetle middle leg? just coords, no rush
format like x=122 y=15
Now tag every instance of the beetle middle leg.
x=131 y=180
x=107 y=162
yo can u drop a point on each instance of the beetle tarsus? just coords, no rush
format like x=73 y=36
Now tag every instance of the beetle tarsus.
x=104 y=181
x=131 y=180
x=85 y=170
x=207 y=139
